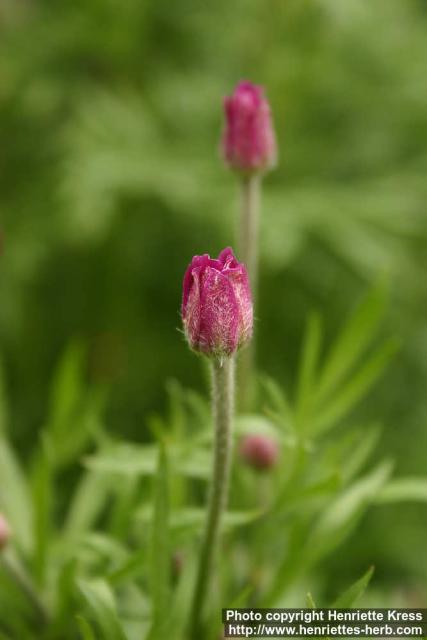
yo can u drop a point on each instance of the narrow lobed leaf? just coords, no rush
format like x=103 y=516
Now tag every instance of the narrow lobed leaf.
x=159 y=550
x=356 y=335
x=349 y=598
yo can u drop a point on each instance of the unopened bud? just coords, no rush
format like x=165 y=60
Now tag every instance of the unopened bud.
x=259 y=451
x=4 y=532
x=177 y=563
x=249 y=142
x=217 y=305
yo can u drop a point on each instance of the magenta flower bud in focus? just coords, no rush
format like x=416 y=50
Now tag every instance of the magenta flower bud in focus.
x=4 y=532
x=259 y=451
x=249 y=141
x=217 y=305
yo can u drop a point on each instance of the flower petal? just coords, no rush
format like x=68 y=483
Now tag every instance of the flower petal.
x=219 y=322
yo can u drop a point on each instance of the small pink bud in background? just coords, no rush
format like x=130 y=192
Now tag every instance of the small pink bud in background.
x=4 y=532
x=217 y=305
x=177 y=563
x=259 y=451
x=249 y=142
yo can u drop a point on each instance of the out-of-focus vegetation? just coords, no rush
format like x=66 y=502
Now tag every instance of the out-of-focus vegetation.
x=110 y=180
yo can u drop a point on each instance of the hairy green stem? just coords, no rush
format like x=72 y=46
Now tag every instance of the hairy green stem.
x=222 y=406
x=248 y=247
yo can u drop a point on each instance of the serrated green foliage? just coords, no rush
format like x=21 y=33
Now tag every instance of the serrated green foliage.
x=353 y=390
x=3 y=403
x=66 y=391
x=160 y=552
x=42 y=486
x=360 y=450
x=15 y=501
x=356 y=335
x=310 y=601
x=89 y=498
x=280 y=407
x=74 y=416
x=120 y=537
x=340 y=517
x=86 y=630
x=351 y=596
x=100 y=602
x=192 y=519
x=327 y=391
x=403 y=490
x=131 y=459
x=308 y=365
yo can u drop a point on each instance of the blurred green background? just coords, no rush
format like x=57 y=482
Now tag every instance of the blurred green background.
x=110 y=180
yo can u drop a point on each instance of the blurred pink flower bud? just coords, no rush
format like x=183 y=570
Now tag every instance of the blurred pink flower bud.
x=217 y=305
x=4 y=532
x=259 y=451
x=249 y=142
x=177 y=563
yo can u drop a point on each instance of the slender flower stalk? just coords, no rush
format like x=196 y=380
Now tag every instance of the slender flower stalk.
x=217 y=317
x=250 y=191
x=249 y=148
x=222 y=407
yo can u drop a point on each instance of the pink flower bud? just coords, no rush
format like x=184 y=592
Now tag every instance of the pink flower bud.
x=177 y=563
x=259 y=451
x=249 y=143
x=217 y=305
x=4 y=532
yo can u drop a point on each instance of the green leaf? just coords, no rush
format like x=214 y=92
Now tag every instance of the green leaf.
x=125 y=495
x=194 y=518
x=310 y=602
x=342 y=515
x=159 y=551
x=100 y=601
x=281 y=407
x=177 y=415
x=255 y=423
x=263 y=425
x=15 y=501
x=86 y=425
x=199 y=408
x=23 y=581
x=88 y=501
x=243 y=597
x=132 y=459
x=404 y=490
x=360 y=451
x=4 y=418
x=328 y=484
x=132 y=567
x=102 y=545
x=124 y=458
x=86 y=630
x=308 y=365
x=43 y=487
x=349 y=598
x=193 y=463
x=354 y=338
x=75 y=412
x=352 y=391
x=67 y=390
